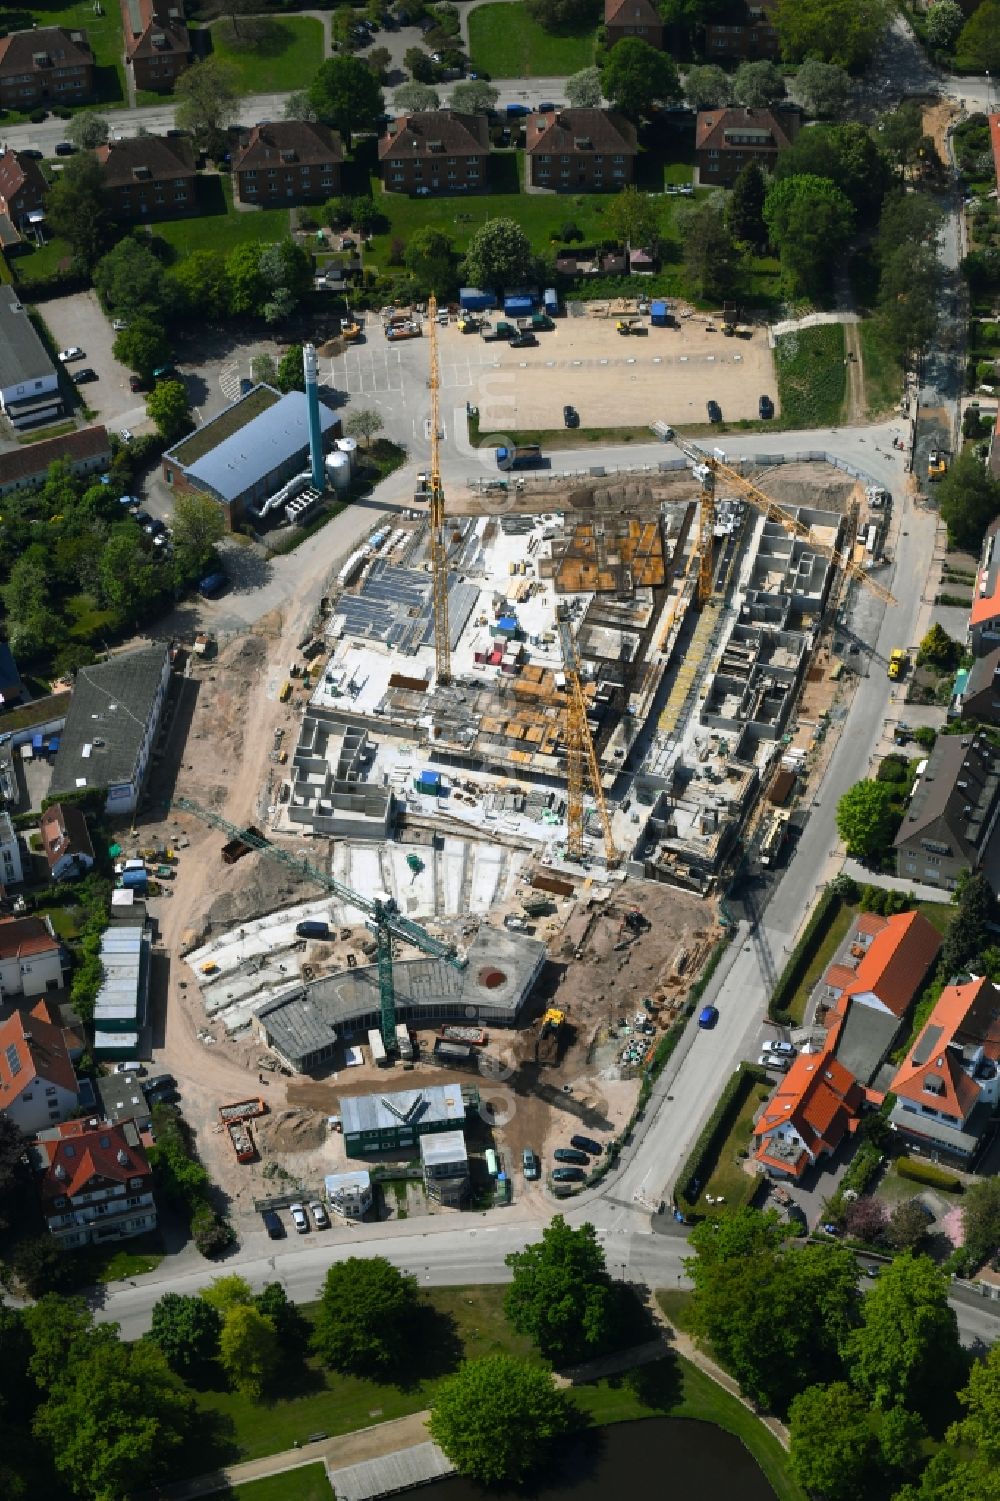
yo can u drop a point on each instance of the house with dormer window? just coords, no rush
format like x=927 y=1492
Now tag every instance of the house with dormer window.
x=96 y=1183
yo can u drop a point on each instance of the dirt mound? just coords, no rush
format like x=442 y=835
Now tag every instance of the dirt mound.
x=292 y=1131
x=258 y=884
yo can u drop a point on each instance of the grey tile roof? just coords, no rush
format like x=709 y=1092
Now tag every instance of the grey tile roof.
x=959 y=786
x=22 y=353
x=112 y=702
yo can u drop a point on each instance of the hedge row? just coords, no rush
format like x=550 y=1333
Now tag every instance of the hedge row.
x=801 y=956
x=710 y=1141
x=927 y=1172
x=864 y=1165
x=714 y=960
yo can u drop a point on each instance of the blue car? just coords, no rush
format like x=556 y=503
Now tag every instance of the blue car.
x=707 y=1017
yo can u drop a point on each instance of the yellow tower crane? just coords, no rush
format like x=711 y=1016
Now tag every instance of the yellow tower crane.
x=581 y=757
x=439 y=544
x=707 y=469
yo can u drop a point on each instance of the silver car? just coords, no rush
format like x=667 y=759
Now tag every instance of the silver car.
x=320 y=1217
x=299 y=1218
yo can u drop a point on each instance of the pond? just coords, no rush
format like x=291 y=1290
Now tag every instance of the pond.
x=691 y=1458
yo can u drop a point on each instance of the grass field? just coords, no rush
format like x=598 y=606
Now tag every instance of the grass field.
x=104 y=33
x=812 y=379
x=506 y=43
x=306 y=1484
x=275 y=54
x=219 y=225
x=727 y=1178
x=883 y=380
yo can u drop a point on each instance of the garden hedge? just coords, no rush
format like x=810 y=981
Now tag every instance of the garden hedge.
x=929 y=1173
x=801 y=956
x=710 y=1141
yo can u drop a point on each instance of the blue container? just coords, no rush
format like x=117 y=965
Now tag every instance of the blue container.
x=134 y=880
x=475 y=301
x=519 y=304
x=658 y=314
x=429 y=781
x=550 y=302
x=507 y=624
x=36 y=744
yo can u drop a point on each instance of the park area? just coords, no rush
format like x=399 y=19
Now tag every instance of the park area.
x=272 y=54
x=505 y=42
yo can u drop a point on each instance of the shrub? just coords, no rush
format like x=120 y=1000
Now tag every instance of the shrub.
x=929 y=1173
x=717 y=1127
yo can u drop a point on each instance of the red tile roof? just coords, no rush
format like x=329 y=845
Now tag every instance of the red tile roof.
x=869 y=922
x=33 y=459
x=32 y=1047
x=83 y=1155
x=896 y=962
x=20 y=937
x=967 y=1015
x=819 y=1098
x=631 y=13
x=64 y=832
x=726 y=129
x=995 y=141
x=986 y=599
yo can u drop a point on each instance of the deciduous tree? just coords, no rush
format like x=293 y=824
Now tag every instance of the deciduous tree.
x=199 y=526
x=497 y=1418
x=248 y=1349
x=823 y=88
x=127 y=585
x=167 y=404
x=937 y=649
x=379 y=61
x=845 y=32
x=906 y=1351
x=745 y=209
x=636 y=76
x=474 y=96
x=848 y=156
x=428 y=258
x=186 y=1329
x=75 y=209
x=865 y=1218
x=969 y=499
x=943 y=23
x=365 y=423
x=713 y=262
x=363 y=1322
x=833 y=1450
x=298 y=106
x=633 y=219
x=757 y=84
x=708 y=87
x=499 y=255
x=866 y=820
x=226 y=1293
x=561 y=1293
x=142 y=346
x=130 y=281
x=978 y=45
x=907 y=1225
x=87 y=130
x=346 y=96
x=583 y=89
x=202 y=285
x=415 y=98
x=289 y=373
x=981 y=1221
x=809 y=221
x=208 y=96
x=57 y=1328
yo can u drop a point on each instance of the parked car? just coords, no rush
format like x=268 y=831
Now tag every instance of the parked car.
x=74 y=352
x=320 y=1217
x=773 y=1060
x=84 y=376
x=523 y=341
x=530 y=1164
x=568 y=1175
x=586 y=1144
x=299 y=1218
x=272 y=1224
x=568 y=1154
x=708 y=1016
x=121 y=324
x=135 y=384
x=785 y=1048
x=160 y=1084
x=65 y=148
x=571 y=417
x=125 y=435
x=765 y=407
x=714 y=411
x=143 y=518
x=131 y=1067
x=155 y=527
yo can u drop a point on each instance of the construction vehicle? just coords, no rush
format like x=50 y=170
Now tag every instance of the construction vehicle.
x=469 y=324
x=898 y=663
x=581 y=756
x=383 y=917
x=550 y=1033
x=707 y=469
x=239 y=846
x=403 y=331
x=937 y=465
x=438 y=541
x=630 y=326
x=774 y=836
x=523 y=456
x=351 y=332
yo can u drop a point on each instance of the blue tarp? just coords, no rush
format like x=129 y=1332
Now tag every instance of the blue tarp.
x=429 y=781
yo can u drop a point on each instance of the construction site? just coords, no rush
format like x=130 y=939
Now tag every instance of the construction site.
x=489 y=802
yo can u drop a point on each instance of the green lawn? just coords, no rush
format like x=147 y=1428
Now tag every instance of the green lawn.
x=276 y=54
x=40 y=262
x=727 y=1178
x=104 y=33
x=219 y=225
x=506 y=43
x=812 y=379
x=306 y=1484
x=883 y=380
x=65 y=921
x=676 y=1304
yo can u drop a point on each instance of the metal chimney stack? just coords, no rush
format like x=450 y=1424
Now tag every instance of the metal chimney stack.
x=315 y=433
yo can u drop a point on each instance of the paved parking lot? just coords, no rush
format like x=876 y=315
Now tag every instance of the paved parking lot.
x=78 y=319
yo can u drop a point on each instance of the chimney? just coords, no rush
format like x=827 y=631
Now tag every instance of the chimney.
x=315 y=432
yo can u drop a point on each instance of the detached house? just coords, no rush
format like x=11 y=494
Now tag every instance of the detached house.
x=30 y=957
x=746 y=38
x=574 y=149
x=38 y=1084
x=984 y=618
x=97 y=1184
x=814 y=1107
x=437 y=151
x=157 y=44
x=948 y=1087
x=23 y=189
x=66 y=841
x=48 y=65
x=951 y=821
x=727 y=139
x=287 y=161
x=147 y=177
x=977 y=690
x=633 y=18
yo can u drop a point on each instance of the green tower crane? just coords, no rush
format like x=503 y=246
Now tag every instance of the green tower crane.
x=383 y=916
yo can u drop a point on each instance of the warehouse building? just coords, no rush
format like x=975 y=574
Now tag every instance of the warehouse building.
x=29 y=383
x=248 y=452
x=391 y=1122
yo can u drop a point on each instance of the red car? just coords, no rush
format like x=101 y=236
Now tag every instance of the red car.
x=135 y=384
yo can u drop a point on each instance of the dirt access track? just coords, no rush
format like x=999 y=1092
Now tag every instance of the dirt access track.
x=666 y=374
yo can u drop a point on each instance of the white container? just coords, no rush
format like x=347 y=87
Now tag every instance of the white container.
x=338 y=467
x=350 y=447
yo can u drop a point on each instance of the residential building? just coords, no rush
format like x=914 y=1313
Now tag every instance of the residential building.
x=111 y=725
x=47 y=65
x=287 y=161
x=389 y=1122
x=30 y=957
x=66 y=841
x=893 y=958
x=11 y=870
x=87 y=451
x=29 y=385
x=977 y=691
x=632 y=18
x=23 y=189
x=349 y=1194
x=97 y=1184
x=995 y=439
x=445 y=1163
x=122 y=1005
x=11 y=687
x=147 y=177
x=951 y=819
x=436 y=151
x=948 y=1087
x=38 y=1083
x=123 y=1098
x=745 y=39
x=248 y=452
x=574 y=149
x=984 y=617
x=727 y=139
x=157 y=44
x=815 y=1106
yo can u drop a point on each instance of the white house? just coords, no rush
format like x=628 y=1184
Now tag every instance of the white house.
x=349 y=1194
x=97 y=1184
x=11 y=873
x=38 y=1085
x=29 y=384
x=30 y=957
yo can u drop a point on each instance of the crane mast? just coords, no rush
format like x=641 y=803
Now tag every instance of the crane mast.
x=439 y=545
x=581 y=757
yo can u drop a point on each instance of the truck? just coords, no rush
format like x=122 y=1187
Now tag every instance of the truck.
x=237 y=848
x=774 y=837
x=311 y=928
x=898 y=663
x=536 y=906
x=473 y=1036
x=523 y=456
x=403 y=331
x=404 y=1042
